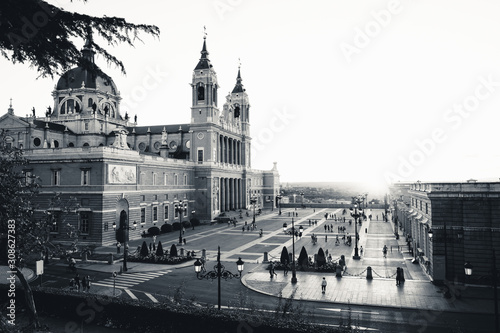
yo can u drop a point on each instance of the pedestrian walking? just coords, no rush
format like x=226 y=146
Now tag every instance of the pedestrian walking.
x=184 y=240
x=285 y=270
x=384 y=251
x=323 y=285
x=84 y=283
x=361 y=250
x=118 y=245
x=88 y=283
x=77 y=282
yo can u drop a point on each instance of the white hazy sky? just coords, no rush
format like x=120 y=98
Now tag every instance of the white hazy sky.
x=340 y=90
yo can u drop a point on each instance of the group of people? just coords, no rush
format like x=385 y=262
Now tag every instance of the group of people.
x=80 y=284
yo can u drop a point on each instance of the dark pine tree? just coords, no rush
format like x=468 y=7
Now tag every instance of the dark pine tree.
x=303 y=259
x=144 y=249
x=284 y=256
x=159 y=250
x=173 y=251
x=321 y=259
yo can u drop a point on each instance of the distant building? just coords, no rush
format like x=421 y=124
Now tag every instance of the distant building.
x=449 y=224
x=120 y=173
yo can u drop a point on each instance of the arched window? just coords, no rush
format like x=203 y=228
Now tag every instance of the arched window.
x=201 y=92
x=214 y=94
x=90 y=103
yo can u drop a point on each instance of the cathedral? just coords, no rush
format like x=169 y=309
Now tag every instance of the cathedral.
x=122 y=174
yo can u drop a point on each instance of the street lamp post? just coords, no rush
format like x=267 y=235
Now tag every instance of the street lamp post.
x=218 y=272
x=356 y=214
x=124 y=229
x=302 y=199
x=468 y=272
x=279 y=203
x=253 y=201
x=180 y=209
x=292 y=232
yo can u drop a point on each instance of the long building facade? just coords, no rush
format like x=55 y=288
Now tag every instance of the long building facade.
x=119 y=173
x=449 y=224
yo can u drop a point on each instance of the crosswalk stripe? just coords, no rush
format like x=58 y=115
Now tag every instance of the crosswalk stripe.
x=107 y=285
x=151 y=297
x=130 y=294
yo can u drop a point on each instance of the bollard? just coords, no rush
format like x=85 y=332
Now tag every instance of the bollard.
x=182 y=252
x=204 y=253
x=110 y=260
x=342 y=257
x=266 y=259
x=369 y=275
x=338 y=271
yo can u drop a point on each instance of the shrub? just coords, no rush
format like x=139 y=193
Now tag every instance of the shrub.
x=320 y=259
x=166 y=228
x=176 y=226
x=159 y=249
x=285 y=258
x=303 y=261
x=186 y=224
x=154 y=231
x=173 y=251
x=144 y=249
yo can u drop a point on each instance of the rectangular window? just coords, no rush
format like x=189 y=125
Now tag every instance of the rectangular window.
x=143 y=215
x=56 y=177
x=165 y=179
x=176 y=215
x=166 y=196
x=154 y=178
x=155 y=214
x=185 y=179
x=165 y=212
x=86 y=126
x=105 y=226
x=200 y=156
x=426 y=208
x=143 y=198
x=85 y=177
x=155 y=197
x=84 y=222
x=175 y=179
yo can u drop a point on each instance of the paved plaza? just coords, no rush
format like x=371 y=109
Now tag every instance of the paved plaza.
x=417 y=292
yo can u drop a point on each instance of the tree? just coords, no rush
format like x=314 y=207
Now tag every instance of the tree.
x=321 y=259
x=303 y=261
x=144 y=249
x=285 y=258
x=43 y=35
x=20 y=234
x=159 y=249
x=173 y=251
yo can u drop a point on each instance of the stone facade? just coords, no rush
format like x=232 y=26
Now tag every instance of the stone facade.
x=122 y=173
x=464 y=222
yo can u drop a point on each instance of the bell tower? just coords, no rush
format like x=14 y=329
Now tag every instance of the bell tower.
x=204 y=90
x=241 y=105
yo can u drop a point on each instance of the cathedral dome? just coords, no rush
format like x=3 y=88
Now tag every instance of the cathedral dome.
x=79 y=77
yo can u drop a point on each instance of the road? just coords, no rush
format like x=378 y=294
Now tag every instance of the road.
x=164 y=283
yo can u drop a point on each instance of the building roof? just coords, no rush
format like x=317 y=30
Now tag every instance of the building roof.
x=204 y=62
x=82 y=76
x=238 y=88
x=52 y=126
